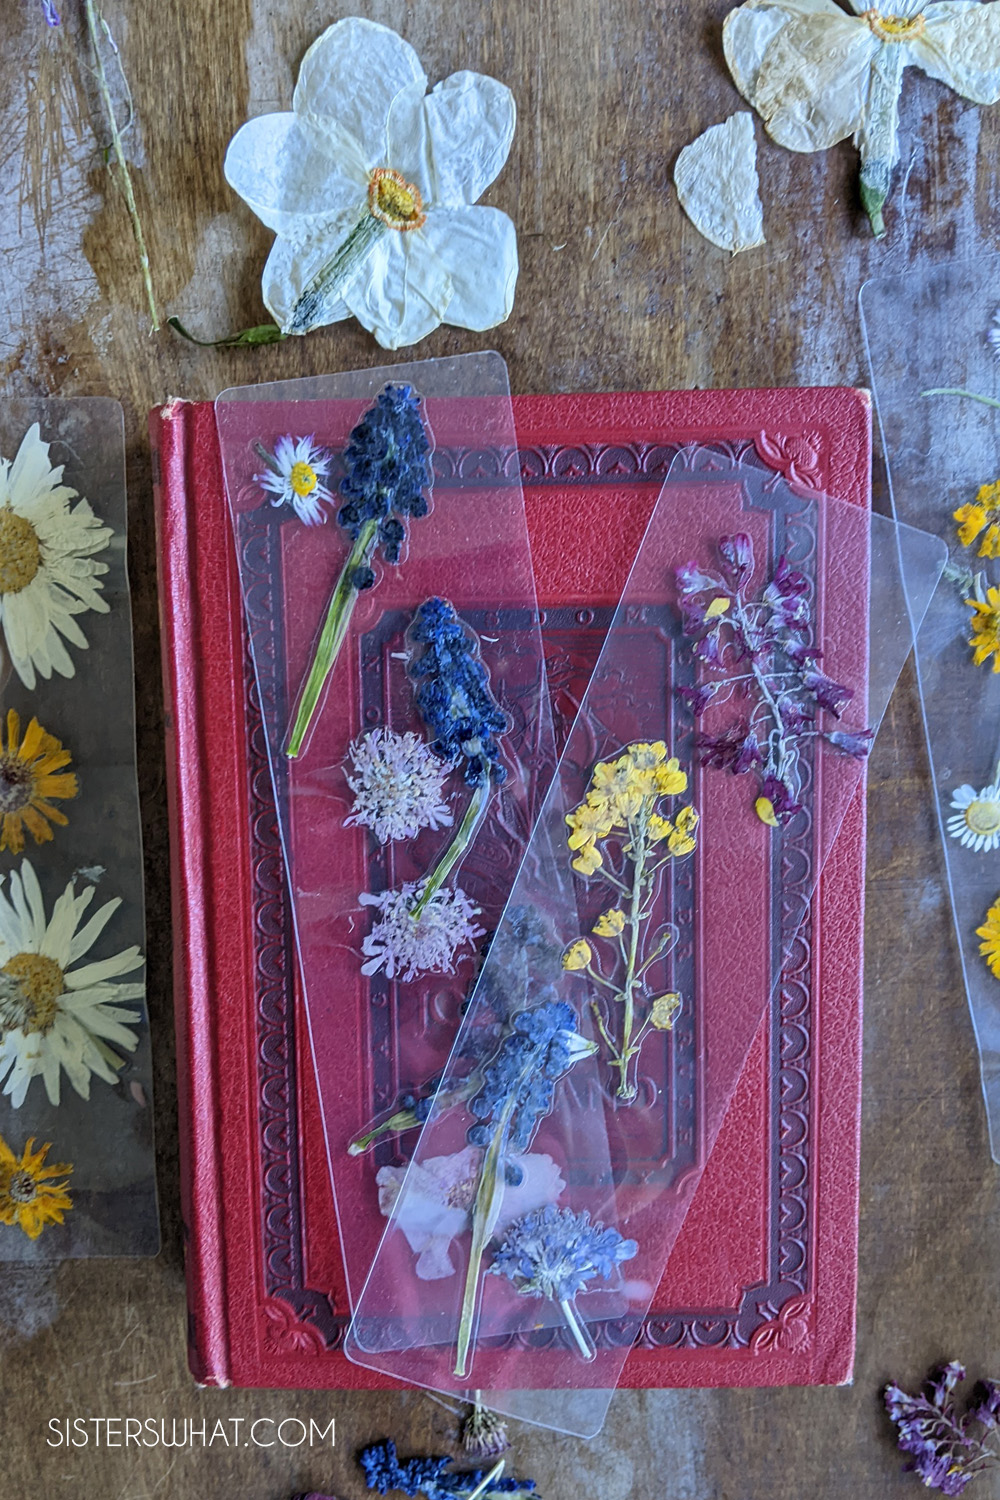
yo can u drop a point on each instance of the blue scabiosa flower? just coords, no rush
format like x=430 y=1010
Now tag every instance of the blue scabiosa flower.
x=456 y=702
x=517 y=1091
x=553 y=1253
x=388 y=476
x=430 y=1477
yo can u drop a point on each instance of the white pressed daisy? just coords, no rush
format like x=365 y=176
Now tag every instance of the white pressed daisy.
x=56 y=1014
x=404 y=947
x=370 y=184
x=976 y=824
x=48 y=575
x=294 y=476
x=397 y=782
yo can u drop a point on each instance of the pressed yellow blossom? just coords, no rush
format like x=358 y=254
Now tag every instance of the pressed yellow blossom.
x=30 y=781
x=718 y=607
x=982 y=515
x=984 y=628
x=670 y=779
x=610 y=923
x=664 y=1011
x=990 y=934
x=29 y=1198
x=577 y=956
x=587 y=823
x=644 y=755
x=588 y=861
x=659 y=828
x=682 y=840
x=764 y=809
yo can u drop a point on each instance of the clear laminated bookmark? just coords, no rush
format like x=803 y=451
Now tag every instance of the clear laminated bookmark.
x=663 y=895
x=383 y=554
x=932 y=340
x=76 y=1127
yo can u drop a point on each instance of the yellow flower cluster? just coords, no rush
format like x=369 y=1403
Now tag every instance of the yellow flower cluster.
x=622 y=796
x=29 y=1197
x=982 y=515
x=984 y=628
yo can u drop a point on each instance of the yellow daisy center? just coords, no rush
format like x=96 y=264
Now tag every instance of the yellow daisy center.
x=20 y=552
x=22 y=1187
x=394 y=200
x=39 y=984
x=303 y=478
x=983 y=817
x=17 y=784
x=895 y=28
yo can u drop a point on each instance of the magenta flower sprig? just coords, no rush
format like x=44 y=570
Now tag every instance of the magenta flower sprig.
x=759 y=650
x=947 y=1447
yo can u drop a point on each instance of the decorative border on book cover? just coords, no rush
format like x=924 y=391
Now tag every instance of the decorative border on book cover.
x=774 y=1315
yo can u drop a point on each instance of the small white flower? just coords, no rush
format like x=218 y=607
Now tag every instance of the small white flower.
x=977 y=823
x=371 y=185
x=47 y=572
x=300 y=466
x=402 y=946
x=397 y=783
x=54 y=1016
x=440 y=1192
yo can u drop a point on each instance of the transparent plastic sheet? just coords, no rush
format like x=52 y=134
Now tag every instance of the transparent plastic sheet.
x=924 y=332
x=731 y=909
x=108 y=1137
x=380 y=1040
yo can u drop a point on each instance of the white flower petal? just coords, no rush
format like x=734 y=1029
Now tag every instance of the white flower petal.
x=717 y=183
x=347 y=83
x=804 y=65
x=85 y=939
x=478 y=248
x=294 y=188
x=289 y=270
x=961 y=47
x=454 y=141
x=404 y=291
x=105 y=968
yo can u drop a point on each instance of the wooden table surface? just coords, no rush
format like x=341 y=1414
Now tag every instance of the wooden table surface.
x=617 y=291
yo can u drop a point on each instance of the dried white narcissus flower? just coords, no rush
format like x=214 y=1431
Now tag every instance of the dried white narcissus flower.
x=817 y=74
x=717 y=184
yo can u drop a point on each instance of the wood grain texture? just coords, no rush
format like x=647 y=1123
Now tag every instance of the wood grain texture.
x=617 y=291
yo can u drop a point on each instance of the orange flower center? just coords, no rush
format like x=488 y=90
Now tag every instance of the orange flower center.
x=394 y=200
x=20 y=552
x=303 y=478
x=30 y=1003
x=17 y=784
x=22 y=1187
x=894 y=28
x=983 y=817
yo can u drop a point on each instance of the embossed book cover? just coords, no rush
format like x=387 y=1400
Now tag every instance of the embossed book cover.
x=760 y=1287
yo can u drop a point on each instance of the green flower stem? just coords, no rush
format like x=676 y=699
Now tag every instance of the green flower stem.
x=485 y=1483
x=338 y=617
x=404 y=1119
x=878 y=137
x=952 y=390
x=335 y=274
x=625 y=1052
x=485 y=1212
x=578 y=1328
x=95 y=25
x=464 y=835
x=247 y=338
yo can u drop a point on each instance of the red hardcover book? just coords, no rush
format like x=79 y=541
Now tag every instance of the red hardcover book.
x=760 y=1288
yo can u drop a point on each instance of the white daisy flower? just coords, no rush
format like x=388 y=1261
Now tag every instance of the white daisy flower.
x=976 y=824
x=47 y=571
x=397 y=782
x=402 y=946
x=56 y=1014
x=294 y=476
x=370 y=184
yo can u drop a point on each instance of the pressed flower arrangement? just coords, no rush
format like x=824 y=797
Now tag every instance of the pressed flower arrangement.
x=72 y=1024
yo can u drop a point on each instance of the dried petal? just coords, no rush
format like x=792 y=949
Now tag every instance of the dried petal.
x=716 y=177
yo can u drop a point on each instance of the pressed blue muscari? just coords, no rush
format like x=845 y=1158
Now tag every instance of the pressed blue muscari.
x=554 y=1252
x=430 y=1477
x=386 y=483
x=453 y=693
x=519 y=1083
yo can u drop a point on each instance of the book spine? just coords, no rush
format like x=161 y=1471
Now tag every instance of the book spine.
x=199 y=1117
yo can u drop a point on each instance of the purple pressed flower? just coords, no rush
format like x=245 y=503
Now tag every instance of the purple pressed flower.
x=794 y=714
x=828 y=694
x=697 y=698
x=50 y=13
x=785 y=583
x=748 y=755
x=721 y=750
x=798 y=653
x=987 y=1407
x=709 y=648
x=945 y=1450
x=780 y=797
x=691 y=580
x=857 y=744
x=737 y=558
x=693 y=615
